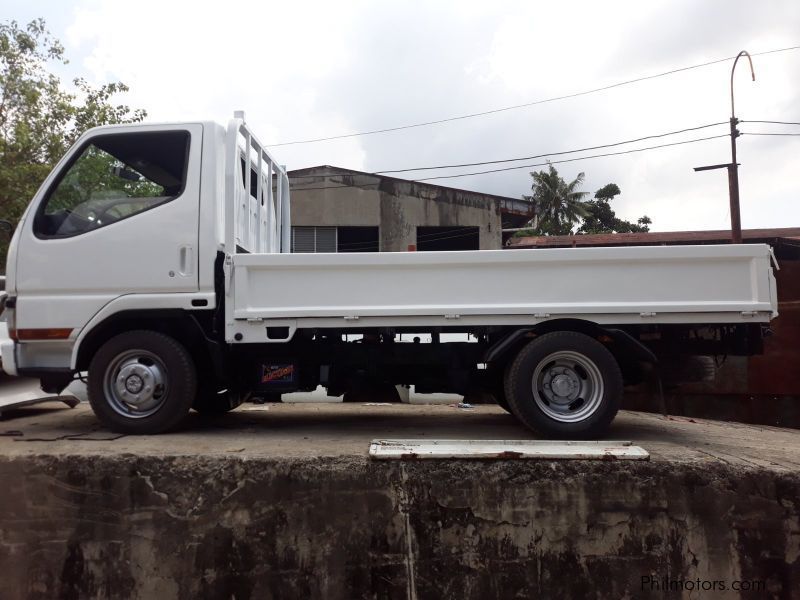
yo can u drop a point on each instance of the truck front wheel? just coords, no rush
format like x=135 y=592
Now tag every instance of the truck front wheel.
x=141 y=382
x=564 y=384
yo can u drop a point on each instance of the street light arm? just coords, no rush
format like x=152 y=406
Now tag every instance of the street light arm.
x=733 y=69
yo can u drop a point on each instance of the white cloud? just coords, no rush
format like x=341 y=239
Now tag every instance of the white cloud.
x=314 y=69
x=189 y=60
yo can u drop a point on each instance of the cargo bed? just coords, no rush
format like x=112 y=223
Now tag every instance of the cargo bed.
x=630 y=285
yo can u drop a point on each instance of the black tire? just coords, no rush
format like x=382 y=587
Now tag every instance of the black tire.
x=594 y=373
x=496 y=386
x=141 y=354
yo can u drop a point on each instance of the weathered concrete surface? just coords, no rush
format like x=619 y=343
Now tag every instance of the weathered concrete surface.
x=284 y=503
x=777 y=411
x=331 y=196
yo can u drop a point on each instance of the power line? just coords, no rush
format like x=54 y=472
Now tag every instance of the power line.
x=773 y=122
x=760 y=133
x=506 y=160
x=560 y=153
x=555 y=162
x=525 y=105
x=654 y=136
x=325 y=187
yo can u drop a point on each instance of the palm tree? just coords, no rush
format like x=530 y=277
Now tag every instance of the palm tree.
x=557 y=205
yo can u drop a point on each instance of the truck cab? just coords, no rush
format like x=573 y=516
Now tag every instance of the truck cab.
x=124 y=231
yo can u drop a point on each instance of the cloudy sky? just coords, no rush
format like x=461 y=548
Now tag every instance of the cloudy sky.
x=306 y=70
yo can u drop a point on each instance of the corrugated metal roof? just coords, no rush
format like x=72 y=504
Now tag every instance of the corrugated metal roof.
x=789 y=235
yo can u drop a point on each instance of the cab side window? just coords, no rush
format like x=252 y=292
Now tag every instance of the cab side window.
x=115 y=177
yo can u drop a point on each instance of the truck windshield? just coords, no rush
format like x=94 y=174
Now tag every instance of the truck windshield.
x=115 y=177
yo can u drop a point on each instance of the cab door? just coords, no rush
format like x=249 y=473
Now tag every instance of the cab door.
x=119 y=217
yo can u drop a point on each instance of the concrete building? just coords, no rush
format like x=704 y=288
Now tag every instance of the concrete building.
x=341 y=210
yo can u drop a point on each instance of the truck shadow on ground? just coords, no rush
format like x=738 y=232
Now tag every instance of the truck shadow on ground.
x=485 y=422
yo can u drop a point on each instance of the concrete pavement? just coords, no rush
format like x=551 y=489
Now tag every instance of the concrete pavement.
x=345 y=430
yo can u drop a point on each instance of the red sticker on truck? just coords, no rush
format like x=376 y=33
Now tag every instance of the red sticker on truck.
x=277 y=373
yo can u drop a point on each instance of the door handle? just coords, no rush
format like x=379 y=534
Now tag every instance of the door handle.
x=186 y=260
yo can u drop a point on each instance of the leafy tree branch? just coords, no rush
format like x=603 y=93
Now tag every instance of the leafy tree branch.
x=39 y=118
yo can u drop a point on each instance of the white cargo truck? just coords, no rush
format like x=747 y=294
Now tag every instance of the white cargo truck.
x=156 y=258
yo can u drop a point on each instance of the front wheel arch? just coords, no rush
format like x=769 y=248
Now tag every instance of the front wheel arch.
x=184 y=326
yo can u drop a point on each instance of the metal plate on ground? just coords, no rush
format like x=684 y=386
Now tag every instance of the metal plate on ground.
x=20 y=400
x=506 y=449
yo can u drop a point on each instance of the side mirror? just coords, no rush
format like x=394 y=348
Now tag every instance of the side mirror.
x=7 y=227
x=124 y=173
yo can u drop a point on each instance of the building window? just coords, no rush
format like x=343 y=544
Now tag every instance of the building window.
x=357 y=239
x=335 y=239
x=313 y=239
x=448 y=238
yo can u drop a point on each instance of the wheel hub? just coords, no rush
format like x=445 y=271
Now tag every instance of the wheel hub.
x=137 y=384
x=134 y=384
x=567 y=386
x=561 y=384
x=564 y=384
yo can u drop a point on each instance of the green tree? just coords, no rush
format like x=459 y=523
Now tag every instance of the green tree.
x=557 y=205
x=39 y=118
x=600 y=218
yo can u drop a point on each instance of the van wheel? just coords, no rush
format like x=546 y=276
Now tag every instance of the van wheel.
x=565 y=384
x=141 y=382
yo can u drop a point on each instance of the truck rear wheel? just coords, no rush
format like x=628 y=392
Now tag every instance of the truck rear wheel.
x=564 y=384
x=141 y=382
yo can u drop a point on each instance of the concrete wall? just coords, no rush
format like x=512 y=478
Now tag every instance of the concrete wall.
x=333 y=197
x=193 y=527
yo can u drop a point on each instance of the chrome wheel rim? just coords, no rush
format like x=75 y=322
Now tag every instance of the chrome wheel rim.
x=135 y=384
x=567 y=386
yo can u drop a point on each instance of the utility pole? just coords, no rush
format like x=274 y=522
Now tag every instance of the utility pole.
x=733 y=166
